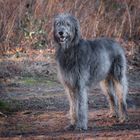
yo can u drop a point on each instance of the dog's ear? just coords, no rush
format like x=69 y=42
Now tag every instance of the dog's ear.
x=53 y=29
x=77 y=31
x=55 y=39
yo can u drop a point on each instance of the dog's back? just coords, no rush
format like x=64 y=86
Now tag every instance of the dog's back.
x=100 y=58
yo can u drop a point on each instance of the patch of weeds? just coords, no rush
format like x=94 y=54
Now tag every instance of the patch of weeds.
x=50 y=83
x=9 y=107
x=23 y=127
x=4 y=106
x=30 y=81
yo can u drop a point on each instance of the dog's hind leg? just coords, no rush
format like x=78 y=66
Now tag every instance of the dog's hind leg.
x=121 y=91
x=108 y=89
x=120 y=82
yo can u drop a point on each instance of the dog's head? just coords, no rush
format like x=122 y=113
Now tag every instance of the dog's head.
x=66 y=30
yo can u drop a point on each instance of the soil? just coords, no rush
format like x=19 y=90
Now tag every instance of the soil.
x=37 y=108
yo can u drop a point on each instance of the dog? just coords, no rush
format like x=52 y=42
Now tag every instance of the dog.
x=85 y=63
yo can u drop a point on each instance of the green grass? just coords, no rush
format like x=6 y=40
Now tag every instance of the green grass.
x=34 y=81
x=4 y=106
x=9 y=107
x=29 y=81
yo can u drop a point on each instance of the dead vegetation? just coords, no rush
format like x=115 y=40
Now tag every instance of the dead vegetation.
x=26 y=26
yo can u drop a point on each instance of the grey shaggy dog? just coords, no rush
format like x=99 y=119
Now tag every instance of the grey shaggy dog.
x=82 y=63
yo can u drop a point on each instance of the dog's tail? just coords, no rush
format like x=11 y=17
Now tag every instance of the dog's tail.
x=119 y=67
x=119 y=72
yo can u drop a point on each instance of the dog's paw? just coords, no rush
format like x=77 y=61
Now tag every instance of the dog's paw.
x=81 y=128
x=70 y=127
x=111 y=115
x=123 y=119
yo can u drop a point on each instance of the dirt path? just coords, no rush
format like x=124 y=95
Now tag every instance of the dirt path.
x=37 y=109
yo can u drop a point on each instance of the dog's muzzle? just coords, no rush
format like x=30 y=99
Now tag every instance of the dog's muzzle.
x=62 y=36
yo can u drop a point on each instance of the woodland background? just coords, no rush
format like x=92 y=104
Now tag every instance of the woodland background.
x=26 y=26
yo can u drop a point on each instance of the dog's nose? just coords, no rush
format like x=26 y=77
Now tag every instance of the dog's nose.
x=61 y=33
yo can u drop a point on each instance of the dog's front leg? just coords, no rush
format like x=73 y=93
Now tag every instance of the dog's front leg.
x=73 y=111
x=82 y=109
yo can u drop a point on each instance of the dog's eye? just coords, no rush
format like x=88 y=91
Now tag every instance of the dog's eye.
x=68 y=24
x=58 y=23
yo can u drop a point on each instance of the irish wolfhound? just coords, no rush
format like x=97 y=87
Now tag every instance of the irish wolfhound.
x=82 y=63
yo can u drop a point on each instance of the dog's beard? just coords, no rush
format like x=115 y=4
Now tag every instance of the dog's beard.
x=64 y=45
x=64 y=41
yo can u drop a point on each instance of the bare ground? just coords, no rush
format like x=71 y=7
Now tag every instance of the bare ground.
x=37 y=108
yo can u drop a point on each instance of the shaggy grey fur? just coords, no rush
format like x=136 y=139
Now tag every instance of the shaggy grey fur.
x=82 y=63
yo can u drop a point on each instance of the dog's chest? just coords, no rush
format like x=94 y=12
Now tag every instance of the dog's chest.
x=68 y=77
x=68 y=71
x=68 y=61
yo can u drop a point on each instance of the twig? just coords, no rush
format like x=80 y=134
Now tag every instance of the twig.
x=2 y=114
x=129 y=18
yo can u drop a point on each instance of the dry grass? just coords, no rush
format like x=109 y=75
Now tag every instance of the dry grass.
x=119 y=19
x=26 y=25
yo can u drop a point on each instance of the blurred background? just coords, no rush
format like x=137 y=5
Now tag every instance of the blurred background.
x=26 y=26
